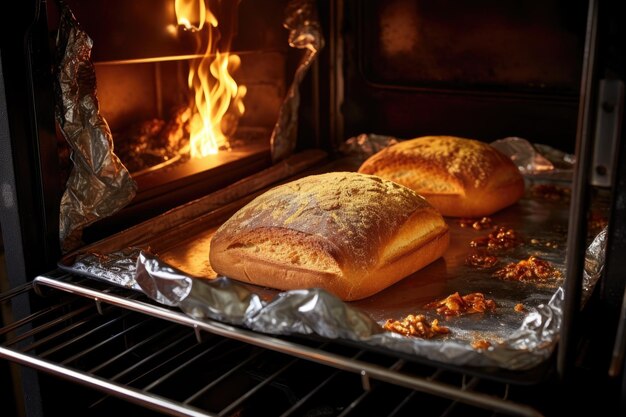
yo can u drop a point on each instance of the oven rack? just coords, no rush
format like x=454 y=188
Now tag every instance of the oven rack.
x=119 y=343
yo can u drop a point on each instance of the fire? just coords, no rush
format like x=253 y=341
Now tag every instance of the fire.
x=218 y=100
x=188 y=11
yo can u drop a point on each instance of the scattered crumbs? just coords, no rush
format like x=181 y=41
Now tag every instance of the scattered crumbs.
x=476 y=224
x=519 y=307
x=544 y=243
x=551 y=192
x=455 y=304
x=481 y=259
x=481 y=344
x=531 y=269
x=502 y=238
x=416 y=326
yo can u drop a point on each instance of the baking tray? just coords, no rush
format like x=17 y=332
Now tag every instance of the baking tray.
x=541 y=228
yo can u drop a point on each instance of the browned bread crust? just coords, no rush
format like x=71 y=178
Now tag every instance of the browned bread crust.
x=460 y=177
x=351 y=234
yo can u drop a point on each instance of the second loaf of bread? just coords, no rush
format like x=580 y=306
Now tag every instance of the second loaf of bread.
x=351 y=234
x=460 y=177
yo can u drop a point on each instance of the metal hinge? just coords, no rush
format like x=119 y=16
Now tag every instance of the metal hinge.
x=607 y=133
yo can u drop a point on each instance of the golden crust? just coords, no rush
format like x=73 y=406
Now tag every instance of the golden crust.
x=350 y=233
x=460 y=177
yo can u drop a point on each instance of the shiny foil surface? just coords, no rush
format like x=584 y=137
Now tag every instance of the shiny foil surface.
x=304 y=33
x=98 y=184
x=518 y=339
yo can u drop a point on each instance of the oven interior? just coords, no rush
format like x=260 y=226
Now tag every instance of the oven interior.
x=408 y=69
x=402 y=68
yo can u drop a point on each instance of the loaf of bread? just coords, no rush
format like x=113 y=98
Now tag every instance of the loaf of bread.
x=351 y=234
x=459 y=177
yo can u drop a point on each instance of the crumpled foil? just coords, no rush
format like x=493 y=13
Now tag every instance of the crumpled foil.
x=304 y=33
x=317 y=312
x=118 y=267
x=98 y=184
x=365 y=145
x=220 y=299
x=536 y=159
x=594 y=263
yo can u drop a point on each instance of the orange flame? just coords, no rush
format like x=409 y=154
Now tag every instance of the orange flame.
x=190 y=14
x=218 y=99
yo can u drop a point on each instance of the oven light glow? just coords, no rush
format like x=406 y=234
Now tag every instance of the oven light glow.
x=218 y=100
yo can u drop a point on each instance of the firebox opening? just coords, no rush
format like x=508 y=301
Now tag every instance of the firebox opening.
x=171 y=71
x=149 y=108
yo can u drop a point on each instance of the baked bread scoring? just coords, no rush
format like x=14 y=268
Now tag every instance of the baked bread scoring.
x=460 y=177
x=349 y=233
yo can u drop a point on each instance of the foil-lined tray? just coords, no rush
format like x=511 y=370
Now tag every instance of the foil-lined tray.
x=173 y=268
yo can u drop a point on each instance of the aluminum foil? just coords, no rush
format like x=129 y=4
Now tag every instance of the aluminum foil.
x=118 y=267
x=365 y=145
x=520 y=341
x=304 y=33
x=98 y=184
x=537 y=160
x=594 y=263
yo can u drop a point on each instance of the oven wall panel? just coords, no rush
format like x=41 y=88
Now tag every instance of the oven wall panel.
x=486 y=70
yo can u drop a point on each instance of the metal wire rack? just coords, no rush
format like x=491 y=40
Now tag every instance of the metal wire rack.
x=113 y=344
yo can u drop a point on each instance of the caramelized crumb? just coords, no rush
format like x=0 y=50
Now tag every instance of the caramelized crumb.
x=480 y=259
x=481 y=344
x=477 y=224
x=519 y=308
x=545 y=243
x=416 y=326
x=456 y=305
x=501 y=238
x=531 y=269
x=551 y=192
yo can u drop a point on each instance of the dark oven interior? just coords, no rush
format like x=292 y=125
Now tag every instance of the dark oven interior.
x=550 y=72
